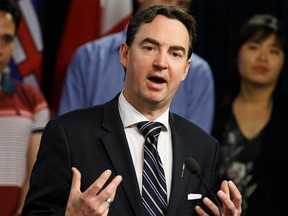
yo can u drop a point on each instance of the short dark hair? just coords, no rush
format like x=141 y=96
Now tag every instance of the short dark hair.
x=147 y=15
x=11 y=8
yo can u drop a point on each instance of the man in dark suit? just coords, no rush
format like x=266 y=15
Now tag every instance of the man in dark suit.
x=104 y=145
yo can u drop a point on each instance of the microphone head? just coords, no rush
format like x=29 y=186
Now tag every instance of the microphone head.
x=192 y=166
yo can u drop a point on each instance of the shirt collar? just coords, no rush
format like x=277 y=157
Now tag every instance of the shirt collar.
x=130 y=116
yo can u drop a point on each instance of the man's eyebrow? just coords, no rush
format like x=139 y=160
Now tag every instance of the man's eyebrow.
x=178 y=48
x=150 y=40
x=155 y=42
x=9 y=35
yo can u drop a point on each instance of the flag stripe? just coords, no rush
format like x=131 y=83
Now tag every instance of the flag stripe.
x=27 y=54
x=31 y=18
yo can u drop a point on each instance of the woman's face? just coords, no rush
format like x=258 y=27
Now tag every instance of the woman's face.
x=260 y=63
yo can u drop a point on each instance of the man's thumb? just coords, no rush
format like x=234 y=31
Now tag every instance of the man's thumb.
x=76 y=179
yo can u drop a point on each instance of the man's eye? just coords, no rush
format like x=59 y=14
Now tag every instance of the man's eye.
x=148 y=48
x=8 y=39
x=176 y=54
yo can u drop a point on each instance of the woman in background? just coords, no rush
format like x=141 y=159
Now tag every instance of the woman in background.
x=251 y=120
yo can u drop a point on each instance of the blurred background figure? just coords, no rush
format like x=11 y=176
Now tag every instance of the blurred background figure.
x=26 y=61
x=217 y=24
x=23 y=114
x=103 y=18
x=251 y=121
x=95 y=75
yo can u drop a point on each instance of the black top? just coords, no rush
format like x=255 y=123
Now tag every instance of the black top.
x=257 y=166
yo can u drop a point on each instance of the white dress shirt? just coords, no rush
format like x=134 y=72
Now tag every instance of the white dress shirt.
x=130 y=117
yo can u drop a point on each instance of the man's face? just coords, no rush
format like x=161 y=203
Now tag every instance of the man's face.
x=156 y=63
x=7 y=34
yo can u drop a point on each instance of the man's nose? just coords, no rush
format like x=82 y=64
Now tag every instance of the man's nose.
x=161 y=61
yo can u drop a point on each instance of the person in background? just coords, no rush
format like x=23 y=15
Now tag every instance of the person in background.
x=95 y=75
x=23 y=115
x=104 y=145
x=251 y=122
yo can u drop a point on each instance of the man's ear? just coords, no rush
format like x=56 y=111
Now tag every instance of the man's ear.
x=123 y=53
x=187 y=69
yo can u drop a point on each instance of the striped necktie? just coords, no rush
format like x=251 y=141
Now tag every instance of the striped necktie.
x=154 y=192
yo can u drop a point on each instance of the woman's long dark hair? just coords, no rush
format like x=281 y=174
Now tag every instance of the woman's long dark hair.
x=258 y=28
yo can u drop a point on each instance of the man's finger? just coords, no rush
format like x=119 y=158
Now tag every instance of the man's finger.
x=76 y=180
x=98 y=184
x=107 y=195
x=200 y=211
x=236 y=195
x=225 y=188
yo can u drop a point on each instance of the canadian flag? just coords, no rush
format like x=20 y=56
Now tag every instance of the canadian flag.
x=26 y=62
x=116 y=15
x=86 y=20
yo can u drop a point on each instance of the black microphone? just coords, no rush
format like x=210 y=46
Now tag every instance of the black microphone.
x=194 y=168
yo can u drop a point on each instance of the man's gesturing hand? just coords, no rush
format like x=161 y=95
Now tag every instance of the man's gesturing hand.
x=91 y=201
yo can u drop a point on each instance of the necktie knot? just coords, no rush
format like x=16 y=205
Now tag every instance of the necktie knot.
x=150 y=130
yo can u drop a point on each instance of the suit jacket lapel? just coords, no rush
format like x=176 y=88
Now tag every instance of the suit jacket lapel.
x=117 y=148
x=179 y=181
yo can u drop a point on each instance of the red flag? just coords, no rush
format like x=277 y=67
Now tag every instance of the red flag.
x=27 y=56
x=82 y=25
x=33 y=61
x=85 y=22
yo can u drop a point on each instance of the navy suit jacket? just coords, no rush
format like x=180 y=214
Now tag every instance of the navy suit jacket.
x=93 y=140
